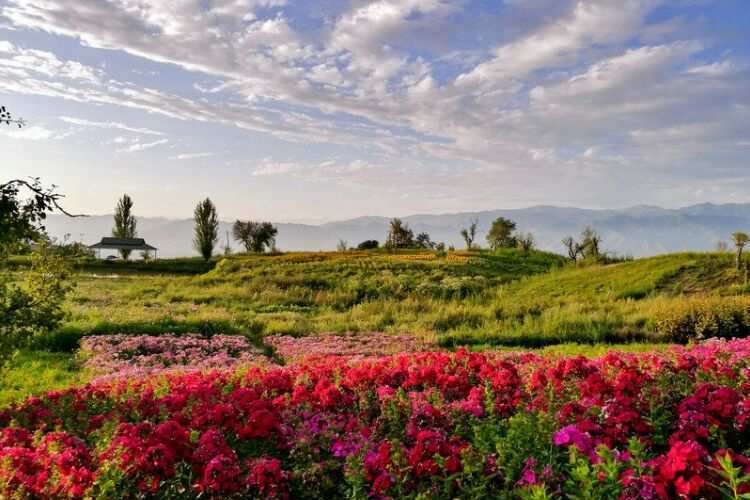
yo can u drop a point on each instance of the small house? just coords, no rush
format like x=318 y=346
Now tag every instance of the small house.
x=133 y=244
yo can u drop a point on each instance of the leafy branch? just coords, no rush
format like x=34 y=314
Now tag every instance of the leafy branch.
x=7 y=118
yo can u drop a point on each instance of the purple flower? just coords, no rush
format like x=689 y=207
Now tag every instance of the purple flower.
x=571 y=435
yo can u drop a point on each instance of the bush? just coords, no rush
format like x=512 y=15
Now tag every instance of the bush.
x=368 y=245
x=704 y=317
x=417 y=426
x=35 y=309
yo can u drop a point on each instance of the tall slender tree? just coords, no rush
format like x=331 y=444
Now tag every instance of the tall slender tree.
x=206 y=228
x=740 y=239
x=125 y=222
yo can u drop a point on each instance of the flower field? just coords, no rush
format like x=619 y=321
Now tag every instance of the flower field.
x=111 y=356
x=353 y=346
x=422 y=425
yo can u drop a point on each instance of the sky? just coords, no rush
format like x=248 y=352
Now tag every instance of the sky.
x=331 y=109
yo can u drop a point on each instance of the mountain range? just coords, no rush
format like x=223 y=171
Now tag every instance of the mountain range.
x=637 y=231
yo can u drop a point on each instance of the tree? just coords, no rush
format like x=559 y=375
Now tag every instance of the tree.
x=740 y=239
x=399 y=235
x=525 y=242
x=125 y=222
x=590 y=243
x=22 y=220
x=206 y=228
x=423 y=241
x=368 y=245
x=255 y=236
x=37 y=307
x=469 y=234
x=573 y=248
x=500 y=234
x=342 y=246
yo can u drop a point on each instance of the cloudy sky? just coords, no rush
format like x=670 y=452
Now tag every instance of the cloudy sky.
x=329 y=109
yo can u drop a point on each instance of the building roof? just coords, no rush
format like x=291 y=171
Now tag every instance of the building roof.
x=123 y=244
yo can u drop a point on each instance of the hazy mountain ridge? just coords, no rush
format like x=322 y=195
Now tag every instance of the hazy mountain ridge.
x=638 y=231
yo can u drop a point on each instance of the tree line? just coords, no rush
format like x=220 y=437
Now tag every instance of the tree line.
x=255 y=237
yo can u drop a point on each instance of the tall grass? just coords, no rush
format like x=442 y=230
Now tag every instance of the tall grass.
x=504 y=298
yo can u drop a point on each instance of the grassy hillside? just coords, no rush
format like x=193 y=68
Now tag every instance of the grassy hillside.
x=301 y=293
x=504 y=298
x=606 y=303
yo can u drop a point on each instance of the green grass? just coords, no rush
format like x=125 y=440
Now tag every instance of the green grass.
x=301 y=293
x=597 y=303
x=466 y=298
x=37 y=372
x=505 y=300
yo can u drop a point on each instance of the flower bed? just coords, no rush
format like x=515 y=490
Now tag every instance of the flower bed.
x=354 y=346
x=112 y=356
x=428 y=425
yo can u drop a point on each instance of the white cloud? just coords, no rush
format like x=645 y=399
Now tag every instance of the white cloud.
x=108 y=125
x=142 y=146
x=571 y=88
x=32 y=133
x=190 y=156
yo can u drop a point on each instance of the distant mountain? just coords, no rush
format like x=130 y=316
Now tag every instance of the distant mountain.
x=637 y=231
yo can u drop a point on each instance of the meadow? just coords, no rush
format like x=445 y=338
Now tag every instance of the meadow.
x=503 y=298
x=482 y=300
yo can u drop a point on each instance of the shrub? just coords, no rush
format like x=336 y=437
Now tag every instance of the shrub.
x=416 y=426
x=37 y=308
x=703 y=317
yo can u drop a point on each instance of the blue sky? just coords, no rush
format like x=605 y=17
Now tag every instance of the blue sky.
x=312 y=111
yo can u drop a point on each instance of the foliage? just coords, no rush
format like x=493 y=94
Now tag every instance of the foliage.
x=469 y=234
x=424 y=241
x=7 y=118
x=206 y=228
x=414 y=426
x=399 y=235
x=525 y=242
x=702 y=317
x=125 y=222
x=740 y=239
x=368 y=245
x=590 y=244
x=255 y=236
x=500 y=234
x=37 y=308
x=70 y=249
x=21 y=221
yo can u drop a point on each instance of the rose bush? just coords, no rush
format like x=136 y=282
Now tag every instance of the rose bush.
x=424 y=425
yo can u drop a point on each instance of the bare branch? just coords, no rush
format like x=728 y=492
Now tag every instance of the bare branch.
x=48 y=194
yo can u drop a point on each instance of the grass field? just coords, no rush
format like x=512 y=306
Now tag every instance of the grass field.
x=483 y=300
x=503 y=298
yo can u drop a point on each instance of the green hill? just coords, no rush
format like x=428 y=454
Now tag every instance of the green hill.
x=302 y=293
x=633 y=300
x=461 y=298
